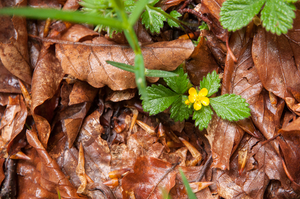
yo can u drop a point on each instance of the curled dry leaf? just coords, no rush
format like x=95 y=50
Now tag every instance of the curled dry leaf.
x=80 y=170
x=45 y=83
x=50 y=171
x=13 y=46
x=12 y=122
x=293 y=105
x=87 y=61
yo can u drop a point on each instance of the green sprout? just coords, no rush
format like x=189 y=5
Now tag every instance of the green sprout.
x=198 y=103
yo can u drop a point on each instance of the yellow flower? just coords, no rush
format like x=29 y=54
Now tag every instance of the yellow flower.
x=198 y=98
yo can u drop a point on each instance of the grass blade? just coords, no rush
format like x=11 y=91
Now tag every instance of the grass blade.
x=148 y=73
x=187 y=186
x=70 y=16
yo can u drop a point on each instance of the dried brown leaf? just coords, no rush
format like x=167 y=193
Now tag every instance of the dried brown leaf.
x=224 y=138
x=273 y=59
x=146 y=179
x=45 y=83
x=51 y=175
x=86 y=61
x=13 y=46
x=202 y=62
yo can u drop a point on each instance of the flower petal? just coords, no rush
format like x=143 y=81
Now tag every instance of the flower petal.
x=192 y=91
x=203 y=92
x=192 y=98
x=204 y=101
x=197 y=106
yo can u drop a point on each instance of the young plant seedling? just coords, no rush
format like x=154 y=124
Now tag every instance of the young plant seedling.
x=199 y=101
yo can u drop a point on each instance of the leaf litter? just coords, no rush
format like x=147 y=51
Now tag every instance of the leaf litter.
x=85 y=134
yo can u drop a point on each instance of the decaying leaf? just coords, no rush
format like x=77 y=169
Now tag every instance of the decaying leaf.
x=145 y=181
x=87 y=61
x=273 y=59
x=45 y=83
x=50 y=176
x=13 y=46
x=202 y=63
x=224 y=138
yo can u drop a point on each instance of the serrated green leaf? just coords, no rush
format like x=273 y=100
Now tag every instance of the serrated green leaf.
x=174 y=14
x=211 y=82
x=236 y=14
x=277 y=16
x=178 y=84
x=159 y=98
x=230 y=107
x=153 y=20
x=202 y=117
x=179 y=111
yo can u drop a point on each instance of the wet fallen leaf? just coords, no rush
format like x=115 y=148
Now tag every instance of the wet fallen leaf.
x=289 y=145
x=224 y=138
x=45 y=83
x=148 y=177
x=13 y=46
x=86 y=61
x=202 y=62
x=51 y=177
x=273 y=59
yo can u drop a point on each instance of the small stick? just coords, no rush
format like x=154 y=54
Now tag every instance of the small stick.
x=205 y=167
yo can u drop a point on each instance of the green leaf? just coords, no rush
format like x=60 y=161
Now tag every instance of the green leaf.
x=153 y=20
x=179 y=84
x=159 y=99
x=71 y=16
x=230 y=107
x=236 y=14
x=179 y=111
x=277 y=16
x=291 y=1
x=211 y=82
x=202 y=117
x=174 y=14
x=148 y=73
x=187 y=185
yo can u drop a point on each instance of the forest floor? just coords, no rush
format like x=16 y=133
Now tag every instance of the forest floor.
x=73 y=125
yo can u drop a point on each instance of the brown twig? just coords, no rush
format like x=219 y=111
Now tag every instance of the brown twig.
x=197 y=14
x=204 y=168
